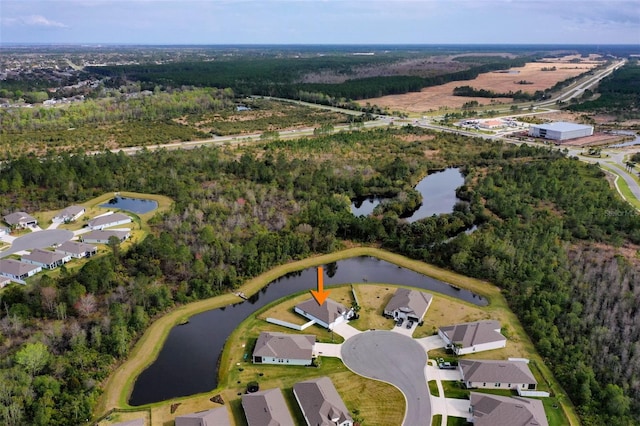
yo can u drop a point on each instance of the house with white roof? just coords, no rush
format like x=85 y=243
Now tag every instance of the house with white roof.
x=107 y=221
x=496 y=374
x=45 y=258
x=70 y=214
x=408 y=305
x=284 y=349
x=473 y=337
x=494 y=410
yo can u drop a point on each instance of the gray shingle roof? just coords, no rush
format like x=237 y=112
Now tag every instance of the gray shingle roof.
x=70 y=212
x=16 y=268
x=327 y=312
x=104 y=235
x=412 y=302
x=19 y=217
x=473 y=333
x=494 y=410
x=492 y=371
x=320 y=402
x=282 y=345
x=266 y=408
x=110 y=218
x=214 y=417
x=75 y=247
x=43 y=256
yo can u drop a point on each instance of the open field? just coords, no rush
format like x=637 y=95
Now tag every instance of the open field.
x=436 y=97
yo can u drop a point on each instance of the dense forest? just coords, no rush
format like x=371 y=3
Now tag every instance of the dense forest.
x=619 y=93
x=552 y=235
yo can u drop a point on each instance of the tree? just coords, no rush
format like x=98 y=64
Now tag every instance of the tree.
x=33 y=357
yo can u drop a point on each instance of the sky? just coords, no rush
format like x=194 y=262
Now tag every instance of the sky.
x=320 y=21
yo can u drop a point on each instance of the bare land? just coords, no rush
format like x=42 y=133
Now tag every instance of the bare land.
x=434 y=98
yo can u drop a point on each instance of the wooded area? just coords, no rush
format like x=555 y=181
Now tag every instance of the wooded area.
x=238 y=212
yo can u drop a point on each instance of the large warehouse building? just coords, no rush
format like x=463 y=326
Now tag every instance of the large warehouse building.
x=560 y=131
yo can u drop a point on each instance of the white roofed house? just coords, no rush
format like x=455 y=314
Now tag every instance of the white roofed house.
x=494 y=374
x=321 y=403
x=284 y=349
x=70 y=214
x=20 y=220
x=45 y=258
x=109 y=220
x=473 y=337
x=77 y=249
x=327 y=315
x=408 y=304
x=18 y=271
x=102 y=237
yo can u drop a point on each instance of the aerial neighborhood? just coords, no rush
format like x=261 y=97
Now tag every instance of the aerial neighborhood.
x=27 y=249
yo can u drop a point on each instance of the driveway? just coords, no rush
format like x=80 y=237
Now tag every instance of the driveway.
x=396 y=359
x=345 y=330
x=404 y=330
x=40 y=239
x=431 y=342
x=327 y=349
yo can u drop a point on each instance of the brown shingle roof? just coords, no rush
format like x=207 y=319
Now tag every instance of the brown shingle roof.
x=473 y=333
x=494 y=410
x=412 y=302
x=282 y=345
x=492 y=371
x=266 y=408
x=327 y=312
x=320 y=402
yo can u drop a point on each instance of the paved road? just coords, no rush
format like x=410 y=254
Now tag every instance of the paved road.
x=40 y=239
x=396 y=359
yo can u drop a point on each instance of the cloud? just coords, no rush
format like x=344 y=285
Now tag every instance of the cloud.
x=41 y=21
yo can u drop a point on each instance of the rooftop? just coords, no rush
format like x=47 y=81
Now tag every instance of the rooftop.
x=494 y=410
x=492 y=371
x=282 y=345
x=214 y=417
x=473 y=333
x=412 y=302
x=43 y=256
x=266 y=408
x=320 y=402
x=15 y=268
x=110 y=218
x=327 y=312
x=75 y=247
x=562 y=126
x=105 y=234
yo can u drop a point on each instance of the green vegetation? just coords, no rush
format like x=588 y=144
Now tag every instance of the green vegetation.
x=433 y=388
x=454 y=389
x=518 y=96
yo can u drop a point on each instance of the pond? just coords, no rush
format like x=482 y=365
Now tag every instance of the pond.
x=188 y=361
x=438 y=196
x=134 y=205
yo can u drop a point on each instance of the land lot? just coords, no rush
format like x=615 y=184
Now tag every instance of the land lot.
x=434 y=98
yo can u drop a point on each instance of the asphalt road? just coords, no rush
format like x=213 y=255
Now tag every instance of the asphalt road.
x=40 y=239
x=396 y=359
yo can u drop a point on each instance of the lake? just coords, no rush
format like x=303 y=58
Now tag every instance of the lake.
x=134 y=205
x=188 y=361
x=438 y=196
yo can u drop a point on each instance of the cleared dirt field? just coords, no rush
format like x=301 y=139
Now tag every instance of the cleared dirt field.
x=434 y=98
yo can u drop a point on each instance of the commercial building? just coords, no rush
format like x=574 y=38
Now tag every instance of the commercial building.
x=560 y=131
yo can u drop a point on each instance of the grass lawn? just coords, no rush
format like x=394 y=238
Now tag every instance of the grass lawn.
x=454 y=389
x=553 y=410
x=433 y=388
x=457 y=421
x=436 y=420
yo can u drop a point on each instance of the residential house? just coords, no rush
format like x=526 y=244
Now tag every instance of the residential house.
x=20 y=220
x=408 y=305
x=17 y=271
x=328 y=315
x=215 y=417
x=321 y=404
x=495 y=410
x=70 y=214
x=4 y=281
x=493 y=374
x=266 y=408
x=45 y=258
x=473 y=337
x=102 y=237
x=77 y=249
x=109 y=220
x=282 y=348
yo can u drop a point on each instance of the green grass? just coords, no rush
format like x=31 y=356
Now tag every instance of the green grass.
x=623 y=187
x=433 y=388
x=454 y=389
x=553 y=410
x=436 y=420
x=456 y=421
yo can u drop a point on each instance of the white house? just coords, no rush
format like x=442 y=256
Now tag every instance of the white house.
x=215 y=417
x=102 y=237
x=327 y=315
x=493 y=374
x=321 y=403
x=494 y=410
x=77 y=249
x=473 y=337
x=265 y=408
x=284 y=349
x=17 y=271
x=408 y=304
x=20 y=220
x=45 y=258
x=107 y=221
x=70 y=214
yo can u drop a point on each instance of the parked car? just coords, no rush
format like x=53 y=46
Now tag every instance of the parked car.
x=410 y=324
x=399 y=322
x=446 y=366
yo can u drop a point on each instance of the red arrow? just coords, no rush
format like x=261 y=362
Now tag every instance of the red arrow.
x=320 y=295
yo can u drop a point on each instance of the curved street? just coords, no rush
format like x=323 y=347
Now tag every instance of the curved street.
x=397 y=359
x=39 y=239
